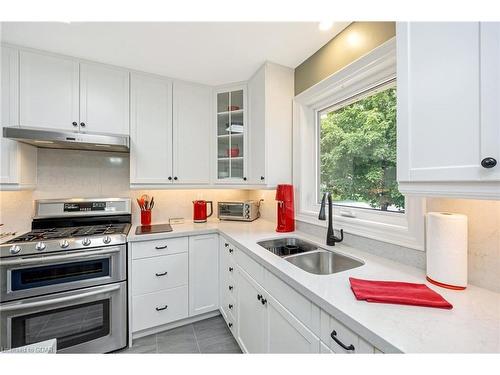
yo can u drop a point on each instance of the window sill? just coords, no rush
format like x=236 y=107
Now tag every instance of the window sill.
x=391 y=233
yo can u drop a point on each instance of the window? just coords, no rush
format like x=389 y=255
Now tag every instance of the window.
x=344 y=142
x=357 y=151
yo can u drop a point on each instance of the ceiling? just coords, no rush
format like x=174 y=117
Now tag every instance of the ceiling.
x=213 y=53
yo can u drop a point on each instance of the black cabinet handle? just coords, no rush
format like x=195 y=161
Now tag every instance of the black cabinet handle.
x=244 y=178
x=161 y=247
x=263 y=301
x=488 y=163
x=230 y=325
x=226 y=244
x=175 y=178
x=259 y=296
x=230 y=287
x=161 y=308
x=161 y=274
x=231 y=250
x=230 y=269
x=170 y=178
x=82 y=124
x=333 y=335
x=74 y=123
x=230 y=306
x=262 y=178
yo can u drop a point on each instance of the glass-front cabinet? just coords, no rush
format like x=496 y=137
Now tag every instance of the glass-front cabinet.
x=231 y=134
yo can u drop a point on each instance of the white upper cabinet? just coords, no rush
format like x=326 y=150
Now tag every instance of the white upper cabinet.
x=448 y=115
x=18 y=160
x=150 y=130
x=104 y=99
x=191 y=133
x=48 y=92
x=270 y=93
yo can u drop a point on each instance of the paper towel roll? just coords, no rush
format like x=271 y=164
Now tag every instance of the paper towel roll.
x=447 y=249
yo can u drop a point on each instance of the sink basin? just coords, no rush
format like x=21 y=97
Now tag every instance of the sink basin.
x=310 y=257
x=323 y=262
x=287 y=246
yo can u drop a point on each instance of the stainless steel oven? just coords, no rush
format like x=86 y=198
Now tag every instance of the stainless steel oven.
x=35 y=275
x=90 y=320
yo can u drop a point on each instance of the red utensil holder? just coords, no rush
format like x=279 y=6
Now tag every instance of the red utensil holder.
x=146 y=217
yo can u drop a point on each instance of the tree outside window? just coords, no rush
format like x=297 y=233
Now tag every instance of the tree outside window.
x=358 y=153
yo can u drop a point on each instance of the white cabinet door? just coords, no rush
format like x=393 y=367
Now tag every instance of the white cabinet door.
x=48 y=96
x=257 y=127
x=191 y=133
x=490 y=97
x=286 y=334
x=252 y=315
x=439 y=101
x=203 y=274
x=104 y=99
x=150 y=130
x=17 y=160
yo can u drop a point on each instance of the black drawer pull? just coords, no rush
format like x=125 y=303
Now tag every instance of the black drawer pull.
x=161 y=247
x=226 y=244
x=230 y=269
x=259 y=296
x=161 y=308
x=230 y=287
x=263 y=301
x=231 y=250
x=230 y=306
x=230 y=325
x=161 y=274
x=333 y=335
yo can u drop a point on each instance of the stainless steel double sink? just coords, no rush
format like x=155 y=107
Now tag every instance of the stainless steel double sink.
x=310 y=257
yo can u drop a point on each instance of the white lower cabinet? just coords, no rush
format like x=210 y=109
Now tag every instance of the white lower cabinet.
x=203 y=274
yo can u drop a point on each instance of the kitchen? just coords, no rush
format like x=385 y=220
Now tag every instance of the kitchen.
x=184 y=210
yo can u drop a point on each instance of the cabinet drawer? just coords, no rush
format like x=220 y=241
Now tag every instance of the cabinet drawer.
x=344 y=335
x=159 y=273
x=146 y=249
x=305 y=311
x=154 y=309
x=250 y=266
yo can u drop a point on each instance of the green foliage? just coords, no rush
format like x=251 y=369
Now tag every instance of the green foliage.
x=358 y=152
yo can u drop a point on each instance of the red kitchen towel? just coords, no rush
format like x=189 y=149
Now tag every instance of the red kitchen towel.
x=398 y=293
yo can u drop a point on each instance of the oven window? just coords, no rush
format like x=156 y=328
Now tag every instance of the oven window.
x=34 y=277
x=71 y=325
x=231 y=210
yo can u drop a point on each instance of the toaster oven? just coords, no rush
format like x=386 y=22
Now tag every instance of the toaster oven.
x=241 y=211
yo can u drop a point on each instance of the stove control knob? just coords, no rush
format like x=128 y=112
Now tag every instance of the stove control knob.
x=106 y=239
x=64 y=244
x=14 y=249
x=86 y=242
x=40 y=246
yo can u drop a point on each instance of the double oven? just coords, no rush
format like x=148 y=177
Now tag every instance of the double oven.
x=71 y=288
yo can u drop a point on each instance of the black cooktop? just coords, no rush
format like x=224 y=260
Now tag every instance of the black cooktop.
x=81 y=231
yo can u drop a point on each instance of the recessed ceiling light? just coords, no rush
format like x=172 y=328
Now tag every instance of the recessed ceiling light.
x=325 y=25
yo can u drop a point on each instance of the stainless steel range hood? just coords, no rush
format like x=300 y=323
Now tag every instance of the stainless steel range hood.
x=67 y=139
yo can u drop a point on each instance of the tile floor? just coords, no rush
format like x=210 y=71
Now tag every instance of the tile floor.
x=206 y=336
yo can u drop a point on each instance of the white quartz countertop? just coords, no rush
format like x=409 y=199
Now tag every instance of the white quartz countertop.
x=473 y=325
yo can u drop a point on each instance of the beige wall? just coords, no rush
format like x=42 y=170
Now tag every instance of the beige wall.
x=353 y=42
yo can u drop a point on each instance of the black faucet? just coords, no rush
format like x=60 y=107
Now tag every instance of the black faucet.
x=331 y=239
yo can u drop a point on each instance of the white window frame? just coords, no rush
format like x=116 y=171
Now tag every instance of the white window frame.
x=373 y=69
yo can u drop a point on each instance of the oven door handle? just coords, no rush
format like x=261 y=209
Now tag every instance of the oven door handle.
x=51 y=258
x=54 y=301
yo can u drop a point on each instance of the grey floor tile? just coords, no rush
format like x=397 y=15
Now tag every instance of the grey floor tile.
x=144 y=345
x=178 y=340
x=221 y=345
x=208 y=328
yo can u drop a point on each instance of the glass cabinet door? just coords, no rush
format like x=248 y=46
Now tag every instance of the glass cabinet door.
x=230 y=135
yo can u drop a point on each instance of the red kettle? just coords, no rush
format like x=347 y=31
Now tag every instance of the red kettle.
x=200 y=211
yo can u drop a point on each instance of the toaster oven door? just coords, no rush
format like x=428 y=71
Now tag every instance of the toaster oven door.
x=231 y=211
